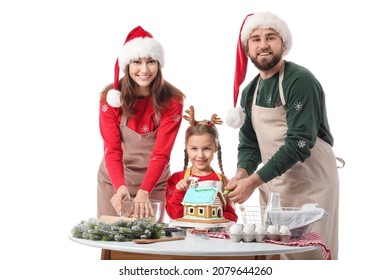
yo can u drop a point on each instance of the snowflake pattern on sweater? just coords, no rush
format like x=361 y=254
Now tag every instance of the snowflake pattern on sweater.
x=167 y=127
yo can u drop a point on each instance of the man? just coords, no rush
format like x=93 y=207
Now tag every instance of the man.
x=284 y=129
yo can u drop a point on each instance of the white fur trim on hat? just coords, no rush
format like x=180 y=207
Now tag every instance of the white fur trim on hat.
x=235 y=117
x=138 y=48
x=113 y=98
x=266 y=20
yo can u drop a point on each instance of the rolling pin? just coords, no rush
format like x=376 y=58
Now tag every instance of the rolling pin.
x=148 y=241
x=113 y=219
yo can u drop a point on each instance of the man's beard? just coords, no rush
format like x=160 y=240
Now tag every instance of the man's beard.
x=267 y=65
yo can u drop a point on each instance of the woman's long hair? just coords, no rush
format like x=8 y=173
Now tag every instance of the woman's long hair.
x=161 y=92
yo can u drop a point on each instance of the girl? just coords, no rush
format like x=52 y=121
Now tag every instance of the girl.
x=201 y=143
x=140 y=115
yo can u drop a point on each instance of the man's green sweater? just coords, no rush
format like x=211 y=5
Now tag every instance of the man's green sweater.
x=305 y=114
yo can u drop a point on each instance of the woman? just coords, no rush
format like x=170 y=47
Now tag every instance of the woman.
x=140 y=115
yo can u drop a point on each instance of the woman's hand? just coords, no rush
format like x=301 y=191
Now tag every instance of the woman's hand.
x=183 y=185
x=142 y=206
x=122 y=193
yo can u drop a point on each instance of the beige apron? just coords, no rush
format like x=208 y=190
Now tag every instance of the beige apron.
x=313 y=181
x=137 y=149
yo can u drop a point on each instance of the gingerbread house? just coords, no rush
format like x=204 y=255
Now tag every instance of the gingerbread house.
x=203 y=204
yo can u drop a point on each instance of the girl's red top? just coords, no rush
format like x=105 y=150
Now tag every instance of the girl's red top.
x=174 y=197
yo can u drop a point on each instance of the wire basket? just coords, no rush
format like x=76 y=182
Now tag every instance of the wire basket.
x=252 y=214
x=257 y=215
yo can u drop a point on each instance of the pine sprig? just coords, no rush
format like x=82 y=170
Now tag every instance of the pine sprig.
x=121 y=230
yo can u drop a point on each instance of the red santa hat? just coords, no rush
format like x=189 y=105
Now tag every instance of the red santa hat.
x=139 y=43
x=264 y=20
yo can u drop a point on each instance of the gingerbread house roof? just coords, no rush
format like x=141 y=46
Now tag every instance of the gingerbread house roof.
x=202 y=196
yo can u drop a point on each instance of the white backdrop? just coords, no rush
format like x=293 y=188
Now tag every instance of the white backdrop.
x=56 y=56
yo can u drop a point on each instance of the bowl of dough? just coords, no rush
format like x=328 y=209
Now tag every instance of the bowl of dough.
x=128 y=209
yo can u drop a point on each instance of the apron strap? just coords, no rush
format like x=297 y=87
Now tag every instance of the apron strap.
x=281 y=93
x=123 y=120
x=187 y=173
x=220 y=177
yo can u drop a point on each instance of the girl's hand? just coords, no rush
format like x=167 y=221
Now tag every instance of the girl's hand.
x=122 y=193
x=183 y=185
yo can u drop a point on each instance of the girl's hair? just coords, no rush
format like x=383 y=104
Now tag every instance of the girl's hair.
x=161 y=93
x=201 y=129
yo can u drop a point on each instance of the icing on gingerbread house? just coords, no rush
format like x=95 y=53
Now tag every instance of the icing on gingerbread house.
x=203 y=203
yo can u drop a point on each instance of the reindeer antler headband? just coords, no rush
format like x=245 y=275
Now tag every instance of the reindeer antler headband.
x=190 y=117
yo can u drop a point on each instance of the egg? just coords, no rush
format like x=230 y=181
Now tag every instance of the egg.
x=260 y=229
x=235 y=229
x=248 y=230
x=272 y=229
x=284 y=230
x=249 y=227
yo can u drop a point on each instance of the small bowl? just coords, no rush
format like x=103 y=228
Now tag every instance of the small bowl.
x=128 y=208
x=168 y=231
x=179 y=233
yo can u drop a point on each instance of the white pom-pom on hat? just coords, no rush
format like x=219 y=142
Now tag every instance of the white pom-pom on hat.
x=235 y=117
x=114 y=98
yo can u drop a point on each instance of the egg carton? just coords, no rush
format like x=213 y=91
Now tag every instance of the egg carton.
x=247 y=237
x=259 y=237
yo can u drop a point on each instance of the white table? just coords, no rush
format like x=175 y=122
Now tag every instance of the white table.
x=191 y=248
